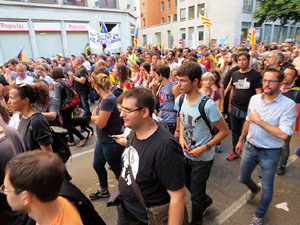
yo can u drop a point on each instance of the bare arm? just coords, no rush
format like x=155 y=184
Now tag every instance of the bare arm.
x=223 y=132
x=50 y=116
x=239 y=145
x=80 y=79
x=177 y=206
x=101 y=119
x=258 y=90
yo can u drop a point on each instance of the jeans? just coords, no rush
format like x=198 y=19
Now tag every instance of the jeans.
x=236 y=128
x=267 y=160
x=92 y=94
x=285 y=152
x=85 y=104
x=111 y=153
x=196 y=175
x=131 y=213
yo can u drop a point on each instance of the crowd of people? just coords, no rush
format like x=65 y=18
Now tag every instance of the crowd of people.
x=154 y=109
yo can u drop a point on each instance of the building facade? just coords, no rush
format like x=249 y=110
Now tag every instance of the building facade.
x=47 y=27
x=173 y=22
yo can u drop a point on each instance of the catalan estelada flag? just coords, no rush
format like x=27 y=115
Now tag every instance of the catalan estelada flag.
x=103 y=28
x=251 y=36
x=21 y=56
x=135 y=38
x=205 y=21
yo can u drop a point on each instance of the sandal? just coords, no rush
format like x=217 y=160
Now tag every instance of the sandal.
x=71 y=143
x=82 y=142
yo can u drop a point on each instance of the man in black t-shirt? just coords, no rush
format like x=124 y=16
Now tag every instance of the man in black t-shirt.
x=246 y=82
x=156 y=160
x=289 y=89
x=81 y=84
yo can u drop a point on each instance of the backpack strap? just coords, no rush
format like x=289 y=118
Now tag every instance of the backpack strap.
x=181 y=98
x=202 y=113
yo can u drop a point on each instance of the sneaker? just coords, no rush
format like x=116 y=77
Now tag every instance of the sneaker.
x=99 y=194
x=250 y=195
x=256 y=221
x=281 y=170
x=232 y=156
x=219 y=149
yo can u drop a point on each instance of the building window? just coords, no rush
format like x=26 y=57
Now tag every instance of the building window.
x=169 y=4
x=144 y=22
x=248 y=5
x=102 y=3
x=72 y=2
x=182 y=33
x=143 y=7
x=162 y=20
x=144 y=39
x=157 y=38
x=162 y=6
x=44 y=1
x=200 y=9
x=192 y=12
x=182 y=14
x=175 y=17
x=169 y=19
x=176 y=4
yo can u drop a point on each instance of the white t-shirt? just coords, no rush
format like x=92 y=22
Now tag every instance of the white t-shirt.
x=49 y=80
x=87 y=65
x=25 y=80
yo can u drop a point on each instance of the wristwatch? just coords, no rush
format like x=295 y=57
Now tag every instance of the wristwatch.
x=208 y=147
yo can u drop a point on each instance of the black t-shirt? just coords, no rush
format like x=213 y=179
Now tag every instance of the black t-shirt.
x=228 y=76
x=113 y=125
x=52 y=107
x=79 y=87
x=244 y=85
x=294 y=95
x=3 y=81
x=157 y=165
x=35 y=131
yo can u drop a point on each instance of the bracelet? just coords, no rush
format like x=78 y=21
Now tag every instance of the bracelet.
x=177 y=130
x=241 y=138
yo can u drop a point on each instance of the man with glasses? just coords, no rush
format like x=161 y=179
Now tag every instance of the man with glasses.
x=196 y=138
x=150 y=151
x=269 y=122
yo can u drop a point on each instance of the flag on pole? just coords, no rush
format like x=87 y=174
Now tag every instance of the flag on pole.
x=205 y=21
x=103 y=28
x=251 y=36
x=135 y=39
x=21 y=56
x=266 y=41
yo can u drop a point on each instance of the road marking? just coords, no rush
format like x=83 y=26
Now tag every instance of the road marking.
x=82 y=153
x=227 y=213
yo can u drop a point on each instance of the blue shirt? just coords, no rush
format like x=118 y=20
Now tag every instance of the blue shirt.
x=281 y=112
x=196 y=132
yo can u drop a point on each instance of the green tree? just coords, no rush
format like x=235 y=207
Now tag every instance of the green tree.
x=282 y=10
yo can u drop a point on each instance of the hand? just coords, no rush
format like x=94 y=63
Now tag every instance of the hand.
x=254 y=117
x=239 y=147
x=176 y=135
x=197 y=152
x=184 y=145
x=120 y=139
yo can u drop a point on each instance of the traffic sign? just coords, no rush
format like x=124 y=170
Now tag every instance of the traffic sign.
x=180 y=41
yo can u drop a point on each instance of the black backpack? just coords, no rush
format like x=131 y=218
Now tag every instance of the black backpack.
x=201 y=110
x=88 y=214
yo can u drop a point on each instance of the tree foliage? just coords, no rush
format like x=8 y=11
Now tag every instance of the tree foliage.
x=284 y=10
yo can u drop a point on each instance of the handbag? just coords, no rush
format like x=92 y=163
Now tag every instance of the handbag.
x=157 y=215
x=60 y=143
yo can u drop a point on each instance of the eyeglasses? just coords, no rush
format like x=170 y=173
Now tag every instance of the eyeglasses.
x=269 y=81
x=121 y=109
x=3 y=190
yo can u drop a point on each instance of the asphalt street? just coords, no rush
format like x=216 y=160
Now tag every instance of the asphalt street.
x=229 y=206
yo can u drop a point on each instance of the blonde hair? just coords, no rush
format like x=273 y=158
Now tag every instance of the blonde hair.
x=102 y=81
x=206 y=76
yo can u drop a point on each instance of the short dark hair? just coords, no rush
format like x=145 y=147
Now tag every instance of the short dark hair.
x=190 y=69
x=173 y=53
x=291 y=67
x=279 y=73
x=57 y=73
x=189 y=50
x=13 y=61
x=245 y=54
x=163 y=69
x=102 y=69
x=143 y=96
x=234 y=56
x=193 y=54
x=180 y=50
x=41 y=173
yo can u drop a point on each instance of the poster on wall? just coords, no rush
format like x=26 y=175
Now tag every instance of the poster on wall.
x=112 y=39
